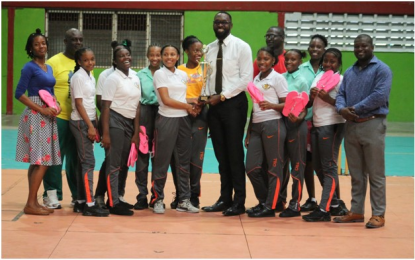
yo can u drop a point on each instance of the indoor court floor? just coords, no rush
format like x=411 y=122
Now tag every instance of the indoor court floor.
x=65 y=234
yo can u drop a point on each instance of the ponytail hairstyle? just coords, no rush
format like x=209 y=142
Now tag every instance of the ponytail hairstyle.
x=116 y=46
x=335 y=52
x=188 y=41
x=270 y=52
x=302 y=54
x=78 y=55
x=178 y=53
x=29 y=43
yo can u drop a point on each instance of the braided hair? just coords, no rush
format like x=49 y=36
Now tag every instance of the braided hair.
x=30 y=39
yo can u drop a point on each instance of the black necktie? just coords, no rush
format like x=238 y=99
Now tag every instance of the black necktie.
x=218 y=82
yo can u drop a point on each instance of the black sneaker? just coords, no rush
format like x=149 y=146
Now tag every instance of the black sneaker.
x=141 y=204
x=341 y=210
x=119 y=209
x=95 y=211
x=126 y=204
x=254 y=209
x=317 y=216
x=280 y=206
x=289 y=213
x=309 y=205
x=78 y=207
x=174 y=203
x=263 y=213
x=195 y=202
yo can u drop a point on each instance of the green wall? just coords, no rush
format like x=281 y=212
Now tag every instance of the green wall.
x=249 y=26
x=4 y=32
x=33 y=18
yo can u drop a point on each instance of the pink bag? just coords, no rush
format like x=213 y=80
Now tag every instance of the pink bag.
x=48 y=99
x=328 y=81
x=143 y=147
x=255 y=93
x=295 y=103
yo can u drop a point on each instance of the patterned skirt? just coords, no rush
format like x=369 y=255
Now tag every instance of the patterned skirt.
x=37 y=138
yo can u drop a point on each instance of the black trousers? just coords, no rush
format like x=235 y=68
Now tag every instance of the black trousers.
x=227 y=122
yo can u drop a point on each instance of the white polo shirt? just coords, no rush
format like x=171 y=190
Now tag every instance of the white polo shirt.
x=175 y=82
x=273 y=87
x=83 y=86
x=324 y=113
x=124 y=92
x=101 y=80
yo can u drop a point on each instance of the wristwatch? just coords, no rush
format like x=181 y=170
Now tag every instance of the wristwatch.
x=222 y=97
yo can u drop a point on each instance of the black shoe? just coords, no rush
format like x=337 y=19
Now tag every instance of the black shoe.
x=255 y=209
x=78 y=207
x=289 y=213
x=217 y=207
x=234 y=210
x=309 y=205
x=126 y=205
x=95 y=211
x=280 y=206
x=119 y=209
x=341 y=210
x=195 y=202
x=174 y=203
x=263 y=213
x=141 y=204
x=317 y=216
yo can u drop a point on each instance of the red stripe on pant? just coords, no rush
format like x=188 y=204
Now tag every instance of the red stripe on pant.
x=277 y=192
x=299 y=191
x=332 y=190
x=109 y=188
x=87 y=189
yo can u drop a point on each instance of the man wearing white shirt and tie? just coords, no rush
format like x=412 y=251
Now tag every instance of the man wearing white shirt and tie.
x=232 y=69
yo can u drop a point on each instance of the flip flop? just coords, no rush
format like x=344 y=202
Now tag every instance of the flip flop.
x=143 y=147
x=48 y=99
x=295 y=103
x=326 y=76
x=255 y=93
x=332 y=82
x=328 y=81
x=132 y=156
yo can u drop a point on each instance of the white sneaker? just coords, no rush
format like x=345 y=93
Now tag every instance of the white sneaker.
x=186 y=206
x=51 y=201
x=159 y=207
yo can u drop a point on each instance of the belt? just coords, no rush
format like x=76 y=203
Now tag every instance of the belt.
x=361 y=120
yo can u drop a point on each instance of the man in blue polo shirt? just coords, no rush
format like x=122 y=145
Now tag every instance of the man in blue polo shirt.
x=363 y=100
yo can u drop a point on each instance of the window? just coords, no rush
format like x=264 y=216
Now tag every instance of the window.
x=390 y=33
x=100 y=28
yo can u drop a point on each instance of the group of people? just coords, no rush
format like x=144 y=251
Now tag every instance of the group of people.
x=161 y=107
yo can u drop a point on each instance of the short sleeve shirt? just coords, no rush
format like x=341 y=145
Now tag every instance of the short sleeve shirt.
x=175 y=82
x=83 y=86
x=123 y=91
x=273 y=87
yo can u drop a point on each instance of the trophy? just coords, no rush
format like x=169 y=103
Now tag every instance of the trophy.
x=206 y=71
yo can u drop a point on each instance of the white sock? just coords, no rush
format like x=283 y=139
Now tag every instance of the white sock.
x=313 y=200
x=81 y=201
x=323 y=210
x=91 y=204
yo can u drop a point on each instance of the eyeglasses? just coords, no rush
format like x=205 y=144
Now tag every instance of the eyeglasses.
x=221 y=22
x=272 y=36
x=197 y=51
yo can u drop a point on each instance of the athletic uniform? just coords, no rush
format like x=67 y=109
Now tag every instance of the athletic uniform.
x=83 y=86
x=326 y=136
x=124 y=92
x=172 y=135
x=296 y=141
x=266 y=141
